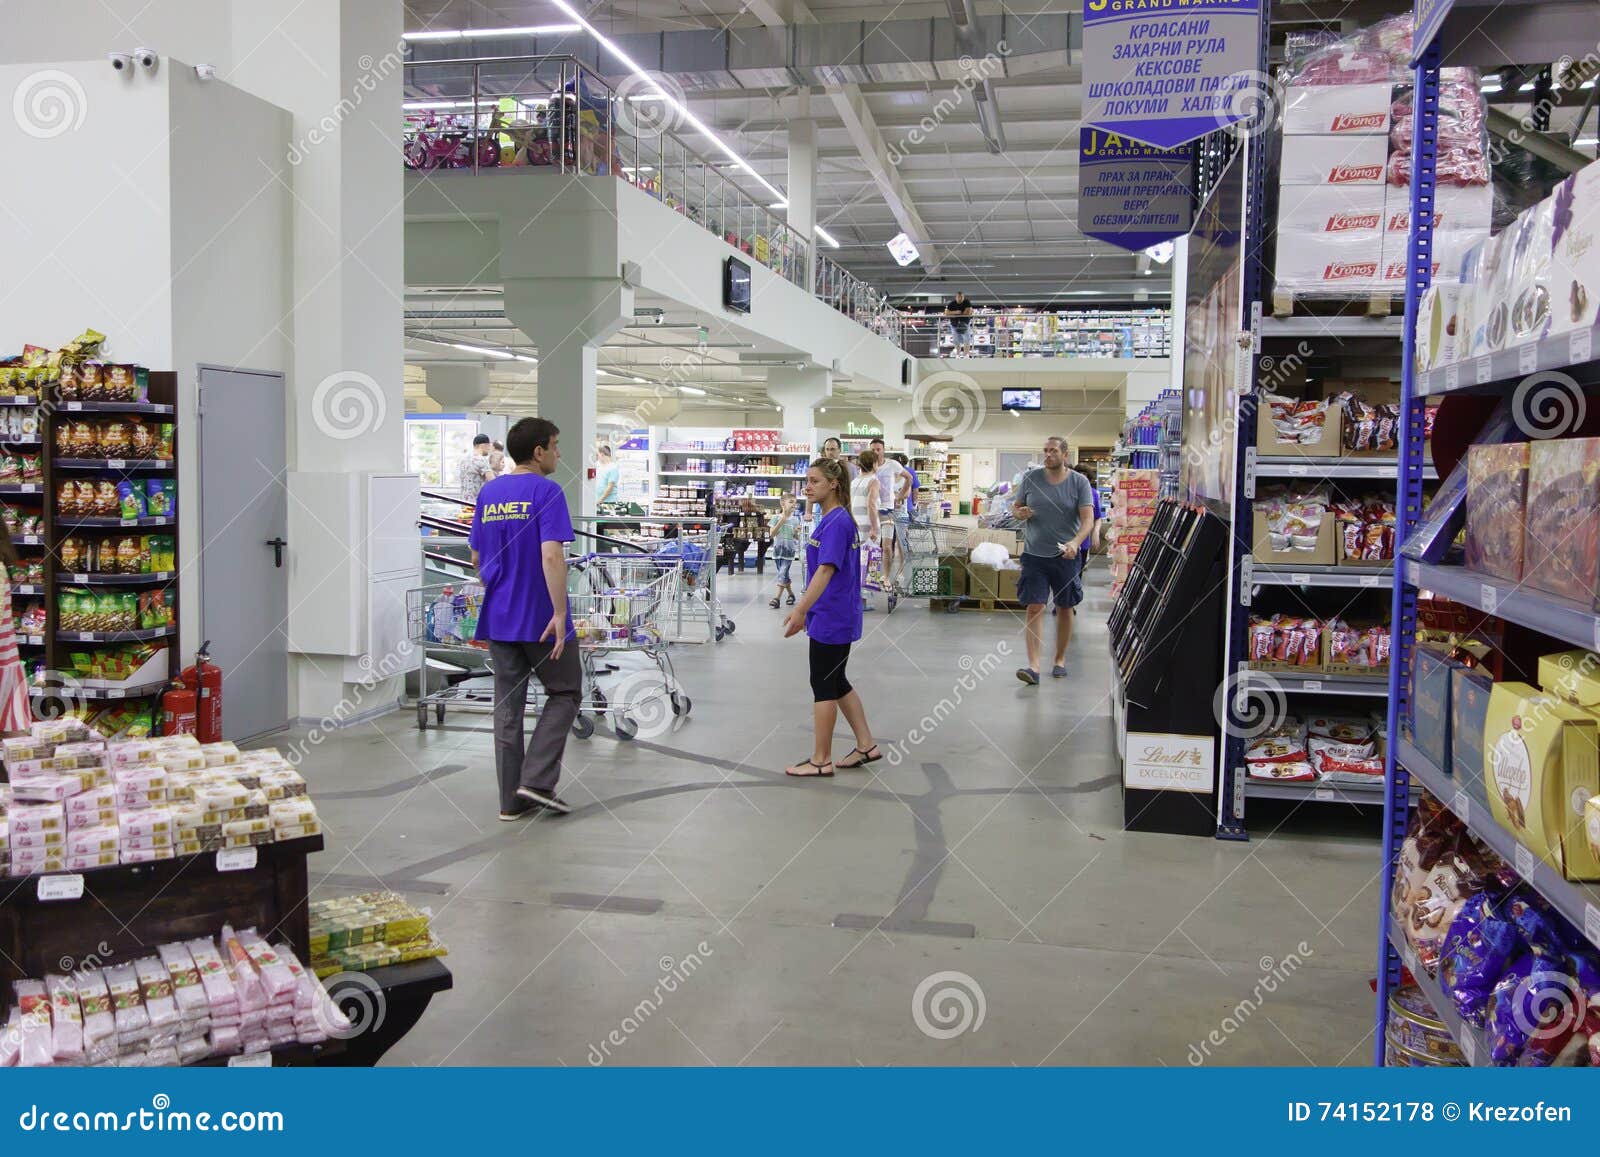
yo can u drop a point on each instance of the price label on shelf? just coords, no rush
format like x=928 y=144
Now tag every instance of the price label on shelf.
x=1301 y=579
x=74 y=405
x=1591 y=923
x=1527 y=358
x=117 y=463
x=1488 y=599
x=1580 y=345
x=115 y=693
x=1523 y=859
x=130 y=522
x=1452 y=376
x=251 y=1061
x=1408 y=954
x=1413 y=572
x=80 y=578
x=1323 y=793
x=1483 y=370
x=29 y=488
x=1469 y=1046
x=1370 y=580
x=60 y=887
x=1299 y=469
x=236 y=859
x=1461 y=804
x=1314 y=685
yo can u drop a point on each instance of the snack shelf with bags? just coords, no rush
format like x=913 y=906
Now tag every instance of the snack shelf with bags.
x=1261 y=574
x=155 y=578
x=1470 y=1041
x=116 y=465
x=111 y=522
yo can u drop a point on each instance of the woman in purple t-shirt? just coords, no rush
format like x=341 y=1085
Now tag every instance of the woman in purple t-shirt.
x=830 y=613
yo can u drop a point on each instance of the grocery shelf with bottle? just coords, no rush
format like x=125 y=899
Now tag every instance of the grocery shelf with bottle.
x=939 y=474
x=1093 y=333
x=1490 y=903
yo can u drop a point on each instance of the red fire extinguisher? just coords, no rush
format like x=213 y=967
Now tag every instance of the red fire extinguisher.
x=206 y=678
x=178 y=710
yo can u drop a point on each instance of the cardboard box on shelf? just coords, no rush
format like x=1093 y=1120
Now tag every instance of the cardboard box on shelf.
x=1006 y=584
x=1465 y=209
x=1575 y=256
x=1497 y=486
x=1320 y=555
x=1346 y=109
x=1329 y=160
x=1543 y=764
x=983 y=581
x=957 y=565
x=1342 y=557
x=1268 y=444
x=1331 y=210
x=1010 y=539
x=1337 y=666
x=1431 y=677
x=1561 y=537
x=1328 y=264
x=1470 y=690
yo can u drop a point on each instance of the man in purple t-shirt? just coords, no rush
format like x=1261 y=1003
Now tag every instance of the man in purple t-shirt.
x=518 y=529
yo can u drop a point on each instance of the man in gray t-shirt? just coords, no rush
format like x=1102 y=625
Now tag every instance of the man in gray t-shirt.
x=1056 y=507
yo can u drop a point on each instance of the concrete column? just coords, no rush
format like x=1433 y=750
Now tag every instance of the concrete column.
x=802 y=213
x=894 y=417
x=798 y=392
x=569 y=320
x=456 y=386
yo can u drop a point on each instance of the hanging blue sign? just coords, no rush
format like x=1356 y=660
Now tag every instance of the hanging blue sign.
x=1165 y=72
x=1130 y=194
x=1430 y=16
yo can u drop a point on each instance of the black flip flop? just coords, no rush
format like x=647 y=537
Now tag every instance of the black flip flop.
x=865 y=758
x=818 y=774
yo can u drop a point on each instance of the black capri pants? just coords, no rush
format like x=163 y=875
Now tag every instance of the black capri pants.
x=827 y=671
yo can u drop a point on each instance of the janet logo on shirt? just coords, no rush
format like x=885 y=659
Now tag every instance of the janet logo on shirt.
x=505 y=511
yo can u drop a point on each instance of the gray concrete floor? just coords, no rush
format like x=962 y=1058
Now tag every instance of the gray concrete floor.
x=1000 y=914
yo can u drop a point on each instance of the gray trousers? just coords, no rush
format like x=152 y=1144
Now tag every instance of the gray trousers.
x=538 y=766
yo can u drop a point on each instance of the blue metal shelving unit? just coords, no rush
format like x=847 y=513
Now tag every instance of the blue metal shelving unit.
x=1490 y=34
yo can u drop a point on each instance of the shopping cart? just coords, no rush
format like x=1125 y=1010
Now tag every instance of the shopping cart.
x=696 y=615
x=920 y=574
x=441 y=620
x=873 y=579
x=618 y=602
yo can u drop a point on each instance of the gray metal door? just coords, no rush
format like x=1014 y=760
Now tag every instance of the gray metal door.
x=244 y=573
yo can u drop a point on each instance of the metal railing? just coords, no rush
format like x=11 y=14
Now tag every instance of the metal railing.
x=1134 y=332
x=847 y=293
x=555 y=112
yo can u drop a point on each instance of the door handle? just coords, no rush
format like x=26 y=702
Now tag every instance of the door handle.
x=277 y=545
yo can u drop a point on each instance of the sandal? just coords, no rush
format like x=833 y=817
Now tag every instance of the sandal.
x=817 y=774
x=791 y=598
x=773 y=604
x=866 y=758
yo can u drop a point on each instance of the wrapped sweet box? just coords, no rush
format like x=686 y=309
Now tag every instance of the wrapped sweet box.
x=1562 y=526
x=1497 y=488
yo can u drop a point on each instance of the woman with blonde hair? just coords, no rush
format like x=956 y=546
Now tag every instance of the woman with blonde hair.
x=830 y=613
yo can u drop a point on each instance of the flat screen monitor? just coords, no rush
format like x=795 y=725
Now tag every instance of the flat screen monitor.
x=736 y=285
x=1021 y=399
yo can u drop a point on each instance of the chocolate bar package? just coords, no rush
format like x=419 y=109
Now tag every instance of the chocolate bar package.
x=1497 y=487
x=1562 y=527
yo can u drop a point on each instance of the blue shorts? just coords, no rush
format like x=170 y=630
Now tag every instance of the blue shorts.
x=1044 y=579
x=783 y=565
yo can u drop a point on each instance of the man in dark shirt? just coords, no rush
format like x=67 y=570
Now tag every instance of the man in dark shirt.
x=959 y=310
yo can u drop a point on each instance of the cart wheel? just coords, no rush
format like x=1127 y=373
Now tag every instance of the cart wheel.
x=625 y=728
x=720 y=633
x=952 y=606
x=680 y=703
x=438 y=714
x=583 y=727
x=422 y=717
x=729 y=625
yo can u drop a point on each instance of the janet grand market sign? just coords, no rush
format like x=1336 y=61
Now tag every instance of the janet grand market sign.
x=1165 y=72
x=1131 y=195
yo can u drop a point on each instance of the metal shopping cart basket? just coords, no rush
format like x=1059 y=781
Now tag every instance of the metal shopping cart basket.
x=441 y=619
x=920 y=575
x=619 y=603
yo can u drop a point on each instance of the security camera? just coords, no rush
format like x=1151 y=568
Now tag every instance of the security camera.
x=147 y=58
x=661 y=319
x=206 y=71
x=120 y=61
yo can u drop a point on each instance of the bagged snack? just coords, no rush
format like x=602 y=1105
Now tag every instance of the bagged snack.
x=106 y=499
x=130 y=500
x=33 y=1008
x=66 y=1018
x=99 y=1024
x=156 y=499
x=165 y=440
x=114 y=439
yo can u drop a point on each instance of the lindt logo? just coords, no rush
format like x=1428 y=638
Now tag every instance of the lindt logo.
x=1347 y=122
x=1350 y=174
x=1343 y=222
x=1344 y=270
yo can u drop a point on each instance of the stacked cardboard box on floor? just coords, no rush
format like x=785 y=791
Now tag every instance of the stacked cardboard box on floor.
x=1133 y=504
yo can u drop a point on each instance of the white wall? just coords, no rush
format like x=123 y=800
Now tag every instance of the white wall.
x=85 y=235
x=84 y=30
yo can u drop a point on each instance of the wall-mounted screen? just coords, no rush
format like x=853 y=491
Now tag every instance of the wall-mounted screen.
x=1011 y=399
x=736 y=285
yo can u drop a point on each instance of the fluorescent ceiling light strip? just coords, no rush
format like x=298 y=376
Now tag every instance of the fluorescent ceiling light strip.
x=692 y=391
x=488 y=33
x=480 y=349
